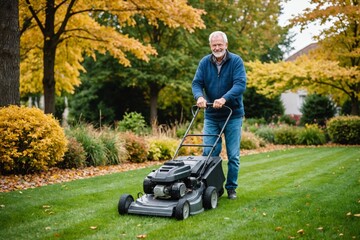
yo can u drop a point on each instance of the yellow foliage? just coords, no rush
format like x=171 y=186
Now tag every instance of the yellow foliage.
x=309 y=72
x=79 y=33
x=30 y=140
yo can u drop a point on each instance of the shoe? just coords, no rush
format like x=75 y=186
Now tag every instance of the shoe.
x=231 y=194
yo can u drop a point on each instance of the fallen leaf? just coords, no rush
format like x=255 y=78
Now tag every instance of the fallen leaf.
x=301 y=231
x=264 y=214
x=46 y=206
x=320 y=228
x=93 y=227
x=348 y=214
x=278 y=229
x=2 y=205
x=341 y=234
x=48 y=228
x=141 y=236
x=357 y=215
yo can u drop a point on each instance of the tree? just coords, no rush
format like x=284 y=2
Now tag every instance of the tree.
x=166 y=79
x=252 y=27
x=317 y=109
x=258 y=106
x=333 y=68
x=9 y=53
x=55 y=34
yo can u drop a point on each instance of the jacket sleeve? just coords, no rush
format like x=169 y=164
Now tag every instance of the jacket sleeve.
x=239 y=81
x=198 y=82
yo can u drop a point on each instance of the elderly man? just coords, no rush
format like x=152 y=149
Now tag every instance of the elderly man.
x=220 y=79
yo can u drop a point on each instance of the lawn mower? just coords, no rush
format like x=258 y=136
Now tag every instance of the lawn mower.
x=182 y=186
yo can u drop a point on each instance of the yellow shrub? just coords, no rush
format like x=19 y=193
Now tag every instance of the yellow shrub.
x=30 y=140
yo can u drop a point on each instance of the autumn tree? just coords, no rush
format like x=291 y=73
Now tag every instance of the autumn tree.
x=165 y=81
x=333 y=68
x=56 y=33
x=9 y=53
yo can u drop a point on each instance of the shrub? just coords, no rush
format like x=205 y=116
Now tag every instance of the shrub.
x=162 y=148
x=311 y=134
x=285 y=135
x=250 y=141
x=31 y=141
x=317 y=109
x=136 y=147
x=114 y=148
x=75 y=156
x=344 y=129
x=266 y=133
x=92 y=144
x=133 y=122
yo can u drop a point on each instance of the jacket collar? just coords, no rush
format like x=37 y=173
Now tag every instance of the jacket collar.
x=227 y=57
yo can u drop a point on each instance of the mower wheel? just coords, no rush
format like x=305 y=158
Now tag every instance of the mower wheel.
x=182 y=209
x=124 y=203
x=210 y=198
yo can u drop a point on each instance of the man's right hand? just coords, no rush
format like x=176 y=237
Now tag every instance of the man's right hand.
x=201 y=102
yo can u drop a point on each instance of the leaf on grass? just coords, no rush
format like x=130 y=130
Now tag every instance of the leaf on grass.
x=301 y=231
x=278 y=229
x=357 y=215
x=348 y=214
x=320 y=228
x=93 y=227
x=2 y=206
x=48 y=228
x=141 y=236
x=46 y=206
x=264 y=214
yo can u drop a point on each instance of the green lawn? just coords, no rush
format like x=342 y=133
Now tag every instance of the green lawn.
x=306 y=193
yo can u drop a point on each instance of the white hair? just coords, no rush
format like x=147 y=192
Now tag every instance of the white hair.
x=218 y=33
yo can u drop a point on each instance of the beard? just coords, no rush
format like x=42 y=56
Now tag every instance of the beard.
x=219 y=54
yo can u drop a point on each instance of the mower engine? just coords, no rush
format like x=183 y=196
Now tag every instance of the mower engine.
x=172 y=180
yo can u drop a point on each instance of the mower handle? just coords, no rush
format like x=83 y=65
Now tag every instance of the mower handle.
x=207 y=106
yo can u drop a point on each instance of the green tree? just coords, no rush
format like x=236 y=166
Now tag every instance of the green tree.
x=258 y=106
x=317 y=109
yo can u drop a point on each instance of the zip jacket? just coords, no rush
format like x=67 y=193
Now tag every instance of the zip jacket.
x=229 y=83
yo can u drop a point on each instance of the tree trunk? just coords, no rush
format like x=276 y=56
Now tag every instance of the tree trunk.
x=49 y=77
x=154 y=93
x=9 y=53
x=50 y=44
x=355 y=106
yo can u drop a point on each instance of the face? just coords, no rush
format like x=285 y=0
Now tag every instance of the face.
x=218 y=46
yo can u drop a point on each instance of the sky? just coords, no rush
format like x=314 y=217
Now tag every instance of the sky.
x=304 y=38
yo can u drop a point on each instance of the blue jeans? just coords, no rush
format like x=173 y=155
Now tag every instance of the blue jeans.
x=232 y=134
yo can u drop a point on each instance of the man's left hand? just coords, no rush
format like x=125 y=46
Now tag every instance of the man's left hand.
x=219 y=103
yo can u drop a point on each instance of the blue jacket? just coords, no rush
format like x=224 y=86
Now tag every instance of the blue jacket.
x=230 y=84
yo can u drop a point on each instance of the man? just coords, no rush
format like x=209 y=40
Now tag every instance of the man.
x=221 y=79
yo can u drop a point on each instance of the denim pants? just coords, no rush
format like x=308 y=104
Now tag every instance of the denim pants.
x=232 y=133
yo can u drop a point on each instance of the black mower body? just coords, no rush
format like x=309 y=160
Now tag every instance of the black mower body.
x=184 y=169
x=183 y=186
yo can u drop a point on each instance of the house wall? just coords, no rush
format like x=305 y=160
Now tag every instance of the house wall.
x=293 y=101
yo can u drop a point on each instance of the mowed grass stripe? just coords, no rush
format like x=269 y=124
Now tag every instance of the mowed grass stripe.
x=261 y=209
